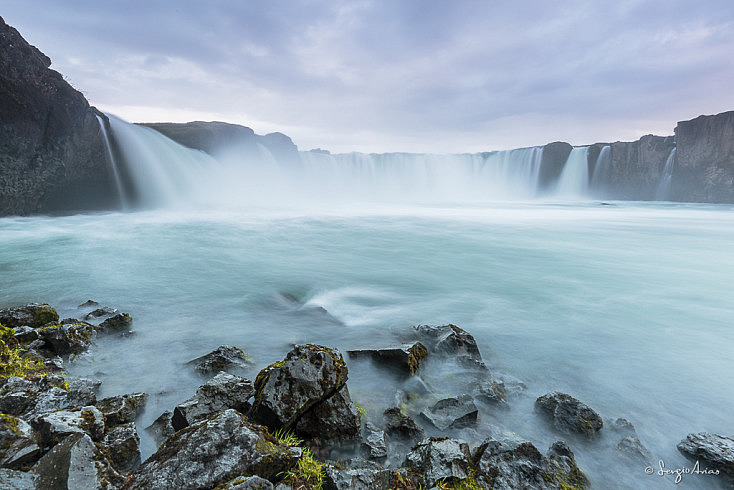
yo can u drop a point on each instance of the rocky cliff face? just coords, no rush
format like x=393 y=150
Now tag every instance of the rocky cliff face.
x=52 y=156
x=218 y=138
x=704 y=159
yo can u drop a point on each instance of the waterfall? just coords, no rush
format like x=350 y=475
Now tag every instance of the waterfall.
x=601 y=170
x=113 y=165
x=574 y=179
x=663 y=190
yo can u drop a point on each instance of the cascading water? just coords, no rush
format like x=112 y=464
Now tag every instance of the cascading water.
x=113 y=165
x=663 y=190
x=574 y=179
x=601 y=170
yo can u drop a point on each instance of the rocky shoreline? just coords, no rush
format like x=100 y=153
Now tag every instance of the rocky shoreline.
x=296 y=426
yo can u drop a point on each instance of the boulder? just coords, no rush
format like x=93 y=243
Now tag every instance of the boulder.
x=374 y=442
x=452 y=413
x=122 y=409
x=287 y=389
x=76 y=463
x=356 y=474
x=162 y=427
x=508 y=461
x=715 y=450
x=119 y=322
x=33 y=315
x=490 y=391
x=122 y=446
x=18 y=445
x=629 y=445
x=569 y=414
x=56 y=426
x=406 y=359
x=25 y=334
x=219 y=393
x=101 y=312
x=451 y=341
x=223 y=358
x=52 y=153
x=30 y=398
x=17 y=480
x=211 y=452
x=70 y=338
x=334 y=419
x=401 y=426
x=440 y=459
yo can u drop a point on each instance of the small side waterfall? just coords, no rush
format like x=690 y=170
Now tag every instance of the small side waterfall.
x=574 y=179
x=663 y=190
x=601 y=169
x=113 y=165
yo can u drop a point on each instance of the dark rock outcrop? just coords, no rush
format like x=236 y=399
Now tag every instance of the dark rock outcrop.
x=452 y=413
x=454 y=342
x=223 y=358
x=334 y=419
x=356 y=474
x=551 y=164
x=704 y=159
x=569 y=414
x=122 y=409
x=374 y=444
x=717 y=451
x=52 y=154
x=401 y=426
x=440 y=459
x=33 y=315
x=405 y=359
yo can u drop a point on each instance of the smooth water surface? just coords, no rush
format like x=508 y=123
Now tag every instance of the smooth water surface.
x=628 y=307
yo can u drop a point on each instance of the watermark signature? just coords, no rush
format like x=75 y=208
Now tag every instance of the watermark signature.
x=679 y=472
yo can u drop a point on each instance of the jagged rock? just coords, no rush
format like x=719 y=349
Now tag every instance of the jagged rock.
x=569 y=414
x=104 y=311
x=122 y=409
x=450 y=340
x=406 y=359
x=17 y=480
x=716 y=450
x=508 y=461
x=25 y=334
x=490 y=391
x=334 y=419
x=161 y=428
x=52 y=154
x=630 y=446
x=65 y=339
x=401 y=426
x=440 y=458
x=55 y=426
x=18 y=446
x=219 y=393
x=20 y=396
x=213 y=451
x=223 y=358
x=452 y=413
x=374 y=443
x=287 y=389
x=76 y=463
x=122 y=445
x=85 y=387
x=249 y=483
x=33 y=315
x=356 y=474
x=116 y=323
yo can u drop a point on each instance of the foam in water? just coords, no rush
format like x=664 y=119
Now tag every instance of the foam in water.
x=574 y=179
x=663 y=190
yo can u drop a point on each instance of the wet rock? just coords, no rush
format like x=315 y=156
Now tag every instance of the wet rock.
x=440 y=459
x=18 y=446
x=406 y=359
x=450 y=340
x=213 y=451
x=334 y=419
x=452 y=413
x=490 y=391
x=401 y=426
x=716 y=450
x=104 y=311
x=219 y=393
x=120 y=322
x=85 y=388
x=356 y=474
x=162 y=427
x=569 y=414
x=122 y=409
x=55 y=426
x=33 y=315
x=25 y=334
x=248 y=483
x=20 y=396
x=508 y=461
x=17 y=480
x=76 y=463
x=629 y=446
x=66 y=339
x=122 y=445
x=374 y=443
x=287 y=389
x=223 y=358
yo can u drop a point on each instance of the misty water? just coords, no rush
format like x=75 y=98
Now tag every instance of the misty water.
x=624 y=305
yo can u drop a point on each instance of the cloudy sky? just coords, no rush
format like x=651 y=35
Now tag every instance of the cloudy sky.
x=392 y=75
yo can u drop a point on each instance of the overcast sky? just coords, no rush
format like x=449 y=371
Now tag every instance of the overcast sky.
x=391 y=75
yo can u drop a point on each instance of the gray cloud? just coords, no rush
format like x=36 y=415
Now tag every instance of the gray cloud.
x=411 y=75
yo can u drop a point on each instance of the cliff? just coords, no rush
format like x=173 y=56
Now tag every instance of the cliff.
x=52 y=156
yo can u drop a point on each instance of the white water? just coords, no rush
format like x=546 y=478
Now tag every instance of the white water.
x=601 y=169
x=663 y=191
x=626 y=307
x=113 y=165
x=574 y=180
